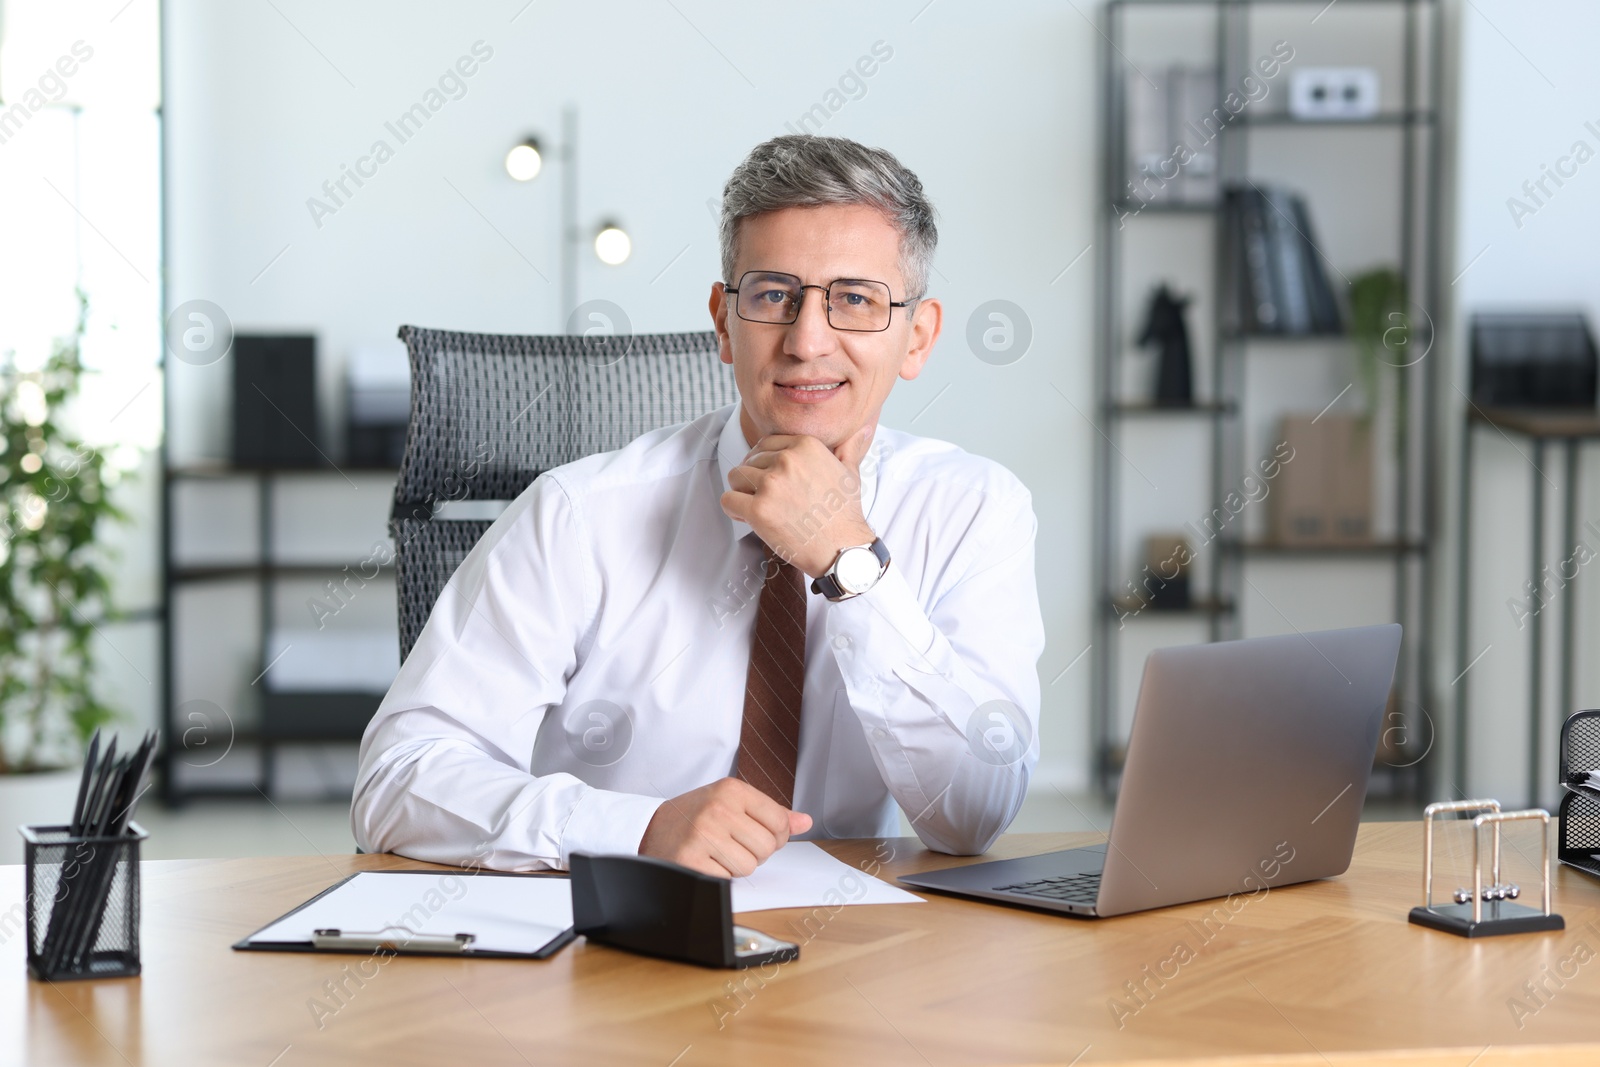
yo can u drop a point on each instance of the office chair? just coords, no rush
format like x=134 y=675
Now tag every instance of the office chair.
x=491 y=412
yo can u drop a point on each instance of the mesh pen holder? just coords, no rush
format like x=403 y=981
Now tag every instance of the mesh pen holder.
x=1578 y=843
x=83 y=903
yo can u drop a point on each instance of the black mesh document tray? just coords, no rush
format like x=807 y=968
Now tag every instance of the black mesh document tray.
x=1578 y=844
x=1532 y=360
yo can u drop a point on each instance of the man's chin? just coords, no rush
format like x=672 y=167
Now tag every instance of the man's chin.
x=832 y=428
x=828 y=431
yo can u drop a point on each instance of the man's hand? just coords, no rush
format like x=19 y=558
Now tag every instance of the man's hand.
x=801 y=498
x=726 y=828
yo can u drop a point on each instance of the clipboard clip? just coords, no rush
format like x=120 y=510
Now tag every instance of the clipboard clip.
x=392 y=939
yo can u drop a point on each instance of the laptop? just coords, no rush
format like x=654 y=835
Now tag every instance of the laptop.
x=1247 y=767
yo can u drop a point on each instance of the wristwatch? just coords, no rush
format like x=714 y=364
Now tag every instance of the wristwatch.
x=855 y=570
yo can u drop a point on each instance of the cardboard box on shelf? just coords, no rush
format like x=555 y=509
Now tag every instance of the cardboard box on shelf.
x=1350 y=466
x=1323 y=497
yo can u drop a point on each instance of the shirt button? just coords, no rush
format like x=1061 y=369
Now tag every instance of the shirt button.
x=841 y=642
x=879 y=732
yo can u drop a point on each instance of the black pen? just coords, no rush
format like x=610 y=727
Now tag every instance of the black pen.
x=76 y=826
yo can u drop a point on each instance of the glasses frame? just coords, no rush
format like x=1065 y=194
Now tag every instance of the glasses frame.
x=827 y=303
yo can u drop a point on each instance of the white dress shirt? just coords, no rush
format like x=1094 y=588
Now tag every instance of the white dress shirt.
x=588 y=659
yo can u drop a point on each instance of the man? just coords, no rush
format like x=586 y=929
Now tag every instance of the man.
x=780 y=619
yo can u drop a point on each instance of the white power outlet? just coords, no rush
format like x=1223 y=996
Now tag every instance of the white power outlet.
x=1333 y=93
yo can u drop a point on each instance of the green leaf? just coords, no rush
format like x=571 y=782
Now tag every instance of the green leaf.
x=54 y=579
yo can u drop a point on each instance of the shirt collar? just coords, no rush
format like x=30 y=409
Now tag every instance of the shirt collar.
x=732 y=448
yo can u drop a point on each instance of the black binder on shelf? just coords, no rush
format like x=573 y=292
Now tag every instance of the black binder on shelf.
x=512 y=916
x=1259 y=288
x=1325 y=316
x=1274 y=280
x=1288 y=262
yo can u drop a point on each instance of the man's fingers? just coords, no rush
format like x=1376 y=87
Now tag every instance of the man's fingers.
x=737 y=504
x=737 y=860
x=726 y=828
x=766 y=811
x=757 y=839
x=763 y=460
x=854 y=448
x=777 y=442
x=747 y=478
x=763 y=838
x=705 y=863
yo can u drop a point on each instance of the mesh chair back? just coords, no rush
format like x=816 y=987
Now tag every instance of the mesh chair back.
x=491 y=412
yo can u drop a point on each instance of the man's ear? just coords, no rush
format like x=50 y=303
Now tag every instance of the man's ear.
x=719 y=322
x=926 y=321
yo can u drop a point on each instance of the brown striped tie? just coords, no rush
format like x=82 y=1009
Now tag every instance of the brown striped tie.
x=769 y=742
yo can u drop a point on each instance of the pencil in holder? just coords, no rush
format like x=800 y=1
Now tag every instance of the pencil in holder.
x=82 y=903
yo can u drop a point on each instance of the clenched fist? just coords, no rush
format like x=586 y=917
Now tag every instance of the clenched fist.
x=727 y=828
x=801 y=497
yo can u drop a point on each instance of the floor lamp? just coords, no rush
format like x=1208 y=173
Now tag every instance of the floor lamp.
x=612 y=246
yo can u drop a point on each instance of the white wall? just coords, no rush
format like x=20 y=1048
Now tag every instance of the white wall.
x=993 y=107
x=1530 y=86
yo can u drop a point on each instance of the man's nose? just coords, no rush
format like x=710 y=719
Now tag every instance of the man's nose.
x=810 y=335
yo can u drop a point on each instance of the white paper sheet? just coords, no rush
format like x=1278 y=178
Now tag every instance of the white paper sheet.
x=507 y=914
x=801 y=875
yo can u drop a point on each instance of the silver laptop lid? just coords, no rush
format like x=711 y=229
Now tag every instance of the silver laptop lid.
x=1247 y=765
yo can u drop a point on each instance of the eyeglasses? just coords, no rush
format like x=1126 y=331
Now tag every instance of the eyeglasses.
x=853 y=304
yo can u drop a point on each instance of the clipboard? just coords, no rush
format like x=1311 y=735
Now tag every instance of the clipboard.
x=510 y=911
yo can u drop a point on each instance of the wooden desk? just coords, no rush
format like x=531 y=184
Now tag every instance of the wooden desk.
x=1326 y=973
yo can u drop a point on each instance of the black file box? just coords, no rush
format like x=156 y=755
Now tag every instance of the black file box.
x=275 y=401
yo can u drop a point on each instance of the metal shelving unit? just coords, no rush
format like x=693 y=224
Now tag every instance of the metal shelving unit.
x=1218 y=573
x=312 y=717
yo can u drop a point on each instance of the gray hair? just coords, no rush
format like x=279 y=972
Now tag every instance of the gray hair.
x=802 y=170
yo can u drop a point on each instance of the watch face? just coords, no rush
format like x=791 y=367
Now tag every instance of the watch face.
x=857 y=570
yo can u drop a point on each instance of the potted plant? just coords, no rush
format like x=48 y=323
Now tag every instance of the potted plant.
x=1381 y=330
x=54 y=587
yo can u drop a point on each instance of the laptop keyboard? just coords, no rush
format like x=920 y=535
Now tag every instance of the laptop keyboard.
x=1070 y=888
